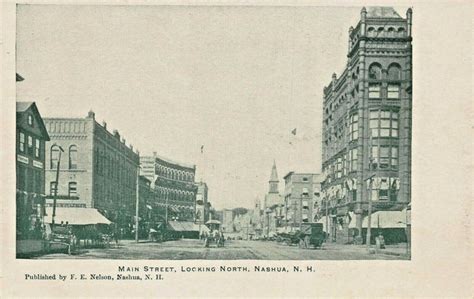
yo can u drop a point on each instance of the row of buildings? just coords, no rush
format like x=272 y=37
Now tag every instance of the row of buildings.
x=366 y=146
x=300 y=202
x=68 y=165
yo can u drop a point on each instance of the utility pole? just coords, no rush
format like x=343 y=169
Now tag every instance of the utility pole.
x=57 y=182
x=369 y=210
x=137 y=204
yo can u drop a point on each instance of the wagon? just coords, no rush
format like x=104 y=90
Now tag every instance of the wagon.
x=311 y=234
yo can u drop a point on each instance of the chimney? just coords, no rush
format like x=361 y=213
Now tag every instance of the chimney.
x=91 y=114
x=104 y=124
x=116 y=134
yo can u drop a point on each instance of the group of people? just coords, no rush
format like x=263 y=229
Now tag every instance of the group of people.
x=213 y=236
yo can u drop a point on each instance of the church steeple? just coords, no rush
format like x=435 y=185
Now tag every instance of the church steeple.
x=273 y=179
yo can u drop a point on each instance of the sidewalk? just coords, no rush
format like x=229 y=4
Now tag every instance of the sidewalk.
x=399 y=250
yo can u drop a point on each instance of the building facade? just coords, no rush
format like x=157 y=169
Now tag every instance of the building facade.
x=367 y=124
x=96 y=169
x=228 y=221
x=174 y=188
x=301 y=199
x=273 y=205
x=31 y=137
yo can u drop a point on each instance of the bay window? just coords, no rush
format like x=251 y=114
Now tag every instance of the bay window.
x=383 y=123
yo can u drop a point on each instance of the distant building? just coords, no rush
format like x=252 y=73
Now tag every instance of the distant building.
x=174 y=187
x=228 y=220
x=31 y=137
x=97 y=169
x=302 y=191
x=273 y=205
x=367 y=124
x=146 y=199
x=202 y=203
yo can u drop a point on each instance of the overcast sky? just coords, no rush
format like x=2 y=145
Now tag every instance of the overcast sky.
x=171 y=79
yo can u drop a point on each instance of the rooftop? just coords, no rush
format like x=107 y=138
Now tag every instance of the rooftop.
x=382 y=12
x=23 y=106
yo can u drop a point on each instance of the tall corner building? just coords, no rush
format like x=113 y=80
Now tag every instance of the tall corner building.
x=367 y=118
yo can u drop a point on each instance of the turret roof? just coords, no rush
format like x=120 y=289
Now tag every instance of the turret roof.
x=274 y=175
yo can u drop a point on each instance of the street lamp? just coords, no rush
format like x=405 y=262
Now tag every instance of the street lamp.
x=61 y=150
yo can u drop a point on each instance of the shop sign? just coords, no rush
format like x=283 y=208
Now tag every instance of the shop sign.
x=38 y=164
x=22 y=159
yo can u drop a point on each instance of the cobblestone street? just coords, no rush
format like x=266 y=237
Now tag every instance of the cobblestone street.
x=233 y=250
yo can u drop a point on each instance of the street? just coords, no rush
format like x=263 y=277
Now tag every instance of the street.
x=234 y=250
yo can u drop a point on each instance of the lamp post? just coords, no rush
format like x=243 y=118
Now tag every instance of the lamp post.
x=369 y=210
x=56 y=182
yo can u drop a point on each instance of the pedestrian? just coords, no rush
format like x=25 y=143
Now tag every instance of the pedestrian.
x=381 y=241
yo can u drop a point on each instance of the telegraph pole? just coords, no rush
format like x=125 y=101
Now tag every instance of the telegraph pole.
x=57 y=182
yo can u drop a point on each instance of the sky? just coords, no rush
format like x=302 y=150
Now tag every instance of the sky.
x=170 y=79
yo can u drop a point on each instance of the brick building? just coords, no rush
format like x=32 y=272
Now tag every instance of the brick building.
x=367 y=124
x=301 y=199
x=174 y=187
x=31 y=136
x=97 y=169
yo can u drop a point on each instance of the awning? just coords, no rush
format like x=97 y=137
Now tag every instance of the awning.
x=386 y=219
x=76 y=216
x=183 y=226
x=213 y=222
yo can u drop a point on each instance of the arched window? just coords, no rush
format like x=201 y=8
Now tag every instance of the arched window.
x=394 y=72
x=73 y=157
x=54 y=157
x=375 y=71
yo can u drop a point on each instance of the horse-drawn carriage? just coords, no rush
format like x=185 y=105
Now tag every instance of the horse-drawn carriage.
x=310 y=234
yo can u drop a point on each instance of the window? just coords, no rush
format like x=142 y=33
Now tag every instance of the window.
x=384 y=157
x=22 y=142
x=30 y=145
x=72 y=189
x=394 y=158
x=393 y=91
x=383 y=123
x=54 y=156
x=30 y=120
x=305 y=179
x=53 y=188
x=353 y=127
x=37 y=148
x=353 y=159
x=344 y=165
x=339 y=168
x=375 y=71
x=305 y=192
x=73 y=157
x=374 y=91
x=394 y=72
